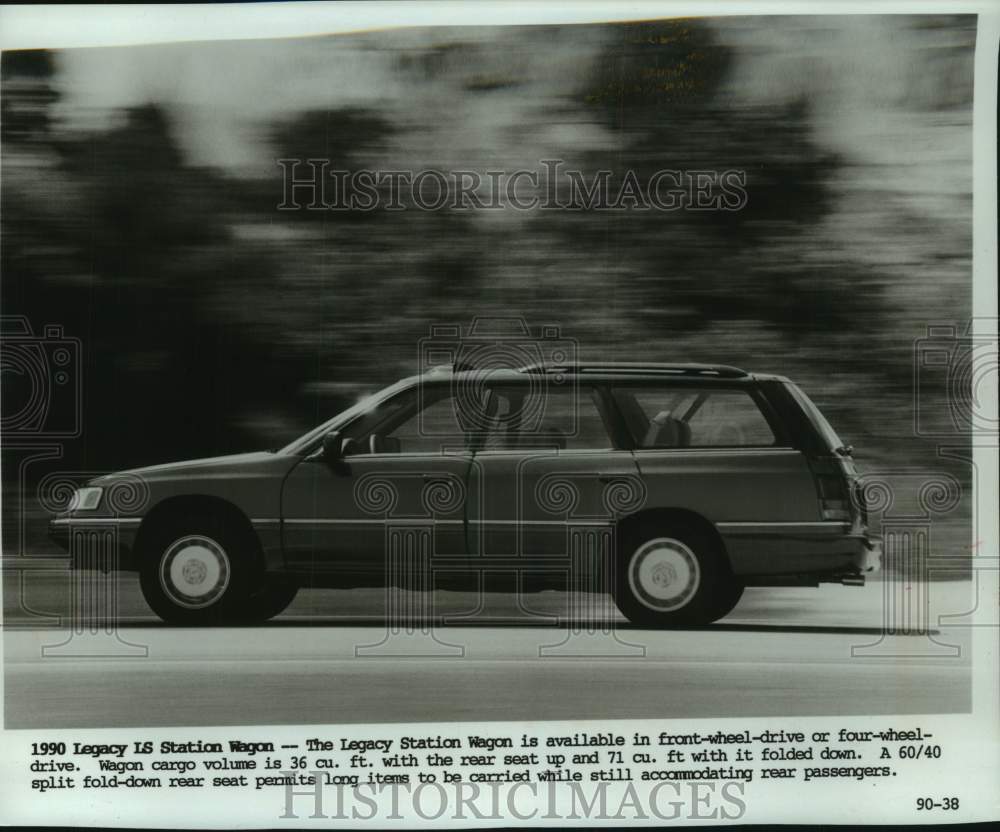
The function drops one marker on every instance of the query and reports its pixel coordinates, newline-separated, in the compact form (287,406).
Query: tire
(270,600)
(199,570)
(673,577)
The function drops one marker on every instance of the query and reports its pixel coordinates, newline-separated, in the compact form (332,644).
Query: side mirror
(333,447)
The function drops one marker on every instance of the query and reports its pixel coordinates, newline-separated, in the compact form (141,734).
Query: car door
(398,491)
(549,477)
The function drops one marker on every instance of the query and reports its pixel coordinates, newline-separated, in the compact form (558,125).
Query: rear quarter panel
(726,485)
(748,487)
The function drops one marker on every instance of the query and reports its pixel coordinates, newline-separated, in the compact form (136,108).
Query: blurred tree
(114,236)
(661,87)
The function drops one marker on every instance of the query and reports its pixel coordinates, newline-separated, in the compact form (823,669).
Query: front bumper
(102,543)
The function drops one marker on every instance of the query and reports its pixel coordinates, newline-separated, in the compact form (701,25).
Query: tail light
(835,480)
(834,498)
(860,500)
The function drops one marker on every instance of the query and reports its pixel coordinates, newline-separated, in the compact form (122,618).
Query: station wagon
(670,486)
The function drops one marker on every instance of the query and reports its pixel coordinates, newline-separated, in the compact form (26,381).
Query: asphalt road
(782,652)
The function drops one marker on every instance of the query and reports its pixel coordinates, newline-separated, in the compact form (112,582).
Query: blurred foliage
(212,322)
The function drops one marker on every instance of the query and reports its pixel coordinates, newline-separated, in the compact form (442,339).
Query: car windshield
(366,405)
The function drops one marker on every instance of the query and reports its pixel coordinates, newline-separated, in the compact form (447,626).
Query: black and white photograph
(615,378)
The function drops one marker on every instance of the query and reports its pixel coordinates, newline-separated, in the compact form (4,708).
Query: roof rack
(640,368)
(457,367)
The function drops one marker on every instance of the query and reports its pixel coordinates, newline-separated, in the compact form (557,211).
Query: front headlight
(85,499)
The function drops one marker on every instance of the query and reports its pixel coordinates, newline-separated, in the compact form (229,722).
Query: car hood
(250,464)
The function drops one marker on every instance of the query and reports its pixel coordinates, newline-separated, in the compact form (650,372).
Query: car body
(672,486)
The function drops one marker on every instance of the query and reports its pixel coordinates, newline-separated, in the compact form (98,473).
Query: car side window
(388,412)
(435,429)
(401,425)
(729,419)
(665,417)
(565,418)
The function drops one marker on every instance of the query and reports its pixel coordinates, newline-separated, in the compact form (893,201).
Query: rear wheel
(676,576)
(198,571)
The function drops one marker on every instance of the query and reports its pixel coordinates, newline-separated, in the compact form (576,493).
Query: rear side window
(567,418)
(678,417)
(819,422)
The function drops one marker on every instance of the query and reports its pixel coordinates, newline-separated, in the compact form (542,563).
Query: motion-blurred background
(139,206)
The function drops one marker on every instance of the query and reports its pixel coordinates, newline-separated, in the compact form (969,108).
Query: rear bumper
(800,553)
(870,559)
(866,562)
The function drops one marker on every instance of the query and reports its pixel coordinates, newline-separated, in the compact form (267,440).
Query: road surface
(782,652)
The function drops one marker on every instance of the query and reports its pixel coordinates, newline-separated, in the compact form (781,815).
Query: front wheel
(270,600)
(674,577)
(197,573)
